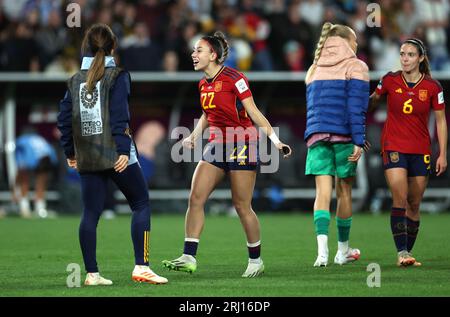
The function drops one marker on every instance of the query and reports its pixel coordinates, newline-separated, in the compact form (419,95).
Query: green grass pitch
(35,253)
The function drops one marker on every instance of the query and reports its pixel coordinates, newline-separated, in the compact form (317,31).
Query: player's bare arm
(374,101)
(202,124)
(441,124)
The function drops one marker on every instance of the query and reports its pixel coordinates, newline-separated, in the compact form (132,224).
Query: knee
(344,193)
(196,200)
(89,221)
(241,206)
(344,187)
(140,205)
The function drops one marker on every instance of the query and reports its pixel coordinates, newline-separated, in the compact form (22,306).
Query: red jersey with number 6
(408,111)
(220,98)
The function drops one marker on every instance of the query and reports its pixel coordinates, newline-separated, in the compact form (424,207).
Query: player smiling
(228,109)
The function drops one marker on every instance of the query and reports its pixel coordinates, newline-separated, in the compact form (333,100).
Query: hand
(367,146)
(121,164)
(285,149)
(356,155)
(441,165)
(188,143)
(72,163)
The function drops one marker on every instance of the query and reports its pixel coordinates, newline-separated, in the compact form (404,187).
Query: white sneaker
(321,261)
(26,214)
(185,263)
(94,279)
(350,256)
(254,269)
(24,208)
(42,213)
(109,214)
(143,273)
(40,208)
(322,251)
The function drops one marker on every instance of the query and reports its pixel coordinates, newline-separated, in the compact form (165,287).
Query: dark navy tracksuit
(93,179)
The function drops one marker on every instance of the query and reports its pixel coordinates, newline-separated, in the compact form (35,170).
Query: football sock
(321,221)
(398,228)
(322,244)
(190,246)
(254,249)
(88,240)
(343,226)
(412,229)
(140,232)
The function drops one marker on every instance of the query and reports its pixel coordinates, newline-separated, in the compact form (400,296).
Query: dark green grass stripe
(34,255)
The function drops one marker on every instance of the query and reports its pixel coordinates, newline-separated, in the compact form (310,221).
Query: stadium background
(273,44)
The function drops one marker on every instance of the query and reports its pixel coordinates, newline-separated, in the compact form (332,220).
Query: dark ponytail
(424,66)
(99,41)
(219,45)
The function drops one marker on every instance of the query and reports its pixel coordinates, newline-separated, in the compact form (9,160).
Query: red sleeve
(382,86)
(241,88)
(437,100)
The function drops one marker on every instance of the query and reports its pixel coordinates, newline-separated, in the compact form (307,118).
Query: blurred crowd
(265,35)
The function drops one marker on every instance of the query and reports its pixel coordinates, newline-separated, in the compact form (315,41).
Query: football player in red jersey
(228,109)
(406,147)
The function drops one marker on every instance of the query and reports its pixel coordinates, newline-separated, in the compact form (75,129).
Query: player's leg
(242,186)
(23,182)
(42,175)
(345,254)
(416,189)
(39,202)
(93,187)
(132,184)
(324,189)
(321,163)
(205,179)
(396,174)
(345,173)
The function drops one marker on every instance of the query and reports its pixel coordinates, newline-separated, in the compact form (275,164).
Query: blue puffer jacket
(337,93)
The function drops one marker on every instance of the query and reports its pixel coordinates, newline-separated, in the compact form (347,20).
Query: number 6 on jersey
(407,106)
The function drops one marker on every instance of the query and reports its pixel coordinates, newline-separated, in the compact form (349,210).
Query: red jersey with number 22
(406,126)
(220,98)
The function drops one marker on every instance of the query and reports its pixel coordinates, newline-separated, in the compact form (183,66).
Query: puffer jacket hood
(335,50)
(337,92)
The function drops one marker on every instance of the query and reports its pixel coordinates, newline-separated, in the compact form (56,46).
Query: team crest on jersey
(394,157)
(399,90)
(202,88)
(423,94)
(218,86)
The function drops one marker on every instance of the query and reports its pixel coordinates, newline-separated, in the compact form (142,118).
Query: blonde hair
(328,29)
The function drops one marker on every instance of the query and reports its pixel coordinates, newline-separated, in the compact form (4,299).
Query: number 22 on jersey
(207,104)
